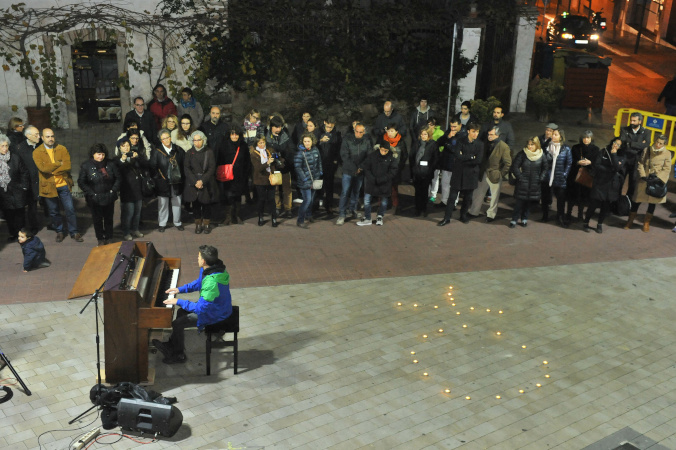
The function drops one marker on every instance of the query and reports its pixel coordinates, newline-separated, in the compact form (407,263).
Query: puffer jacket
(19,184)
(99,189)
(354,151)
(563,164)
(314,161)
(608,171)
(529,176)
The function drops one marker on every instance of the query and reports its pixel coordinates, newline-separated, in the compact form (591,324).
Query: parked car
(572,30)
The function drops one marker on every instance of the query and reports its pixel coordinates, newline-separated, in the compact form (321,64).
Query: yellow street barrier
(656,123)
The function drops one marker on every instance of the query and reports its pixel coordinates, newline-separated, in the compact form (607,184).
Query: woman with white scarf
(559,158)
(654,160)
(264,162)
(529,168)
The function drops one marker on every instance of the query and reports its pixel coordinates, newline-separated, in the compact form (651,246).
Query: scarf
(392,141)
(421,151)
(189,104)
(553,150)
(251,126)
(263,152)
(533,156)
(4,171)
(101,167)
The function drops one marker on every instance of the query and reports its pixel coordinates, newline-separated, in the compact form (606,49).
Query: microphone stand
(5,359)
(94,298)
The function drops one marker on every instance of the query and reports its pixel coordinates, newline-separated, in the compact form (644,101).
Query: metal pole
(450,75)
(640,28)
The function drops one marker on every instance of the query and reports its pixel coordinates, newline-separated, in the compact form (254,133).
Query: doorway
(95,75)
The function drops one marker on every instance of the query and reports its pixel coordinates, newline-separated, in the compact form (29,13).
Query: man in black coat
(465,178)
(25,151)
(144,118)
(329,144)
(216,130)
(451,139)
(635,138)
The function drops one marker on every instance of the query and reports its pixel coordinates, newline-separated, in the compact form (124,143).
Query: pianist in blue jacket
(214,304)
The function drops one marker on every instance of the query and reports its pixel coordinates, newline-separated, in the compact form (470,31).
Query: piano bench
(229,325)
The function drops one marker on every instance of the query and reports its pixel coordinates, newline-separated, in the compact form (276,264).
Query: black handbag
(655,187)
(147,184)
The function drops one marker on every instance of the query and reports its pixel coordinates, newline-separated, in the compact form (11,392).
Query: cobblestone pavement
(563,357)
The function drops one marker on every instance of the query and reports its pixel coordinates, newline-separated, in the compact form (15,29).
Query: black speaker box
(148,417)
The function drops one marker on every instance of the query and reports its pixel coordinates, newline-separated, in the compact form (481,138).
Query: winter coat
(15,138)
(130,171)
(563,164)
(200,165)
(47,169)
(401,153)
(468,157)
(185,144)
(497,160)
(379,171)
(161,110)
(330,151)
(575,191)
(529,176)
(282,145)
(608,170)
(216,135)
(314,161)
(634,143)
(447,155)
(241,168)
(33,253)
(261,172)
(382,121)
(354,151)
(25,151)
(144,146)
(424,169)
(159,165)
(19,184)
(98,189)
(658,163)
(147,125)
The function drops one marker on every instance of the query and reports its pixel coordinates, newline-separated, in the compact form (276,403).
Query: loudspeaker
(148,417)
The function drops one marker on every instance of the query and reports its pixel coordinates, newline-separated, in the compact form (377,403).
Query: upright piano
(136,278)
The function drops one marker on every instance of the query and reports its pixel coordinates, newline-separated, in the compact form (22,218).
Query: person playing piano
(214,304)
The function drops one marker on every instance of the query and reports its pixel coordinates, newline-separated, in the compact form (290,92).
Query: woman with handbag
(200,181)
(653,166)
(579,178)
(528,168)
(233,166)
(608,173)
(308,165)
(130,165)
(166,164)
(100,183)
(266,177)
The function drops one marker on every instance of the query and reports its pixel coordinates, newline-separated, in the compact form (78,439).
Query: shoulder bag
(584,177)
(654,186)
(316,184)
(224,172)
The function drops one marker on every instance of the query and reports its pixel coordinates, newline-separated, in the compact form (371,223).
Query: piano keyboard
(173,284)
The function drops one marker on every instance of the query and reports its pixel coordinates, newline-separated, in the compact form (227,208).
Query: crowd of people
(202,167)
